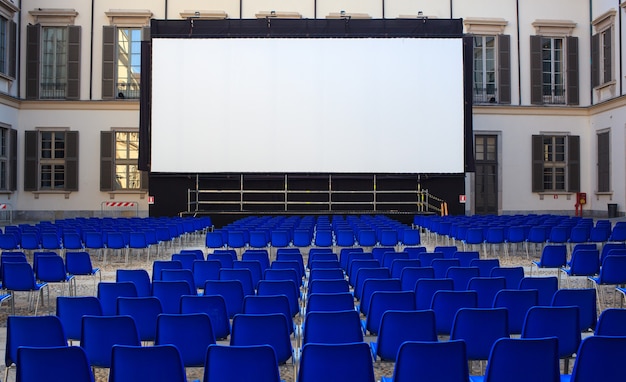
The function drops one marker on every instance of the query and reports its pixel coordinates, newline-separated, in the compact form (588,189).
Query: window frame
(34,161)
(109,163)
(602,50)
(543,160)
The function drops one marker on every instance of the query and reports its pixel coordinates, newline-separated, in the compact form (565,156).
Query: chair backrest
(513,275)
(398,265)
(584,299)
(342,326)
(230,290)
(390,257)
(613,270)
(226,260)
(431,361)
(241,363)
(212,305)
(426,288)
(611,323)
(285,255)
(446,303)
(255,268)
(485,265)
(144,310)
(355,265)
(365,274)
(554,321)
(539,357)
(426,258)
(487,288)
(108,292)
(261,329)
(374,285)
(191,333)
(466,257)
(398,326)
(170,292)
(54,363)
(179,275)
(149,363)
(441,266)
(480,328)
(584,262)
(260,255)
(553,256)
(284,287)
(410,275)
(78,263)
(71,310)
(326,274)
(329,302)
(382,301)
(139,277)
(545,286)
(518,302)
(462,275)
(51,268)
(100,333)
(186,259)
(608,247)
(600,358)
(269,304)
(336,362)
(204,270)
(33,331)
(159,265)
(18,276)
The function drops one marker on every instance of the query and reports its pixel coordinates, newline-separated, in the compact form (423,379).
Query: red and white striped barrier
(114,206)
(3,206)
(120,204)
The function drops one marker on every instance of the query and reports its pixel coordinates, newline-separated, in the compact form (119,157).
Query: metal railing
(485,95)
(128,90)
(52,90)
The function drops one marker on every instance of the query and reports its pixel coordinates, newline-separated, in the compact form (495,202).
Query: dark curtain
(145,106)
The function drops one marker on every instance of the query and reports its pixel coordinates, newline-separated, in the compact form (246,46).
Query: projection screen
(338,105)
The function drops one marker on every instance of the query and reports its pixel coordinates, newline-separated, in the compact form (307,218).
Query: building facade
(549,114)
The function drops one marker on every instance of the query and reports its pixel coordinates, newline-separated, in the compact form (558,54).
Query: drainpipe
(18,51)
(91,53)
(165,9)
(619,21)
(519,66)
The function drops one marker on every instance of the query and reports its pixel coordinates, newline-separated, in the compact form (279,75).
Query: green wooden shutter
(108,62)
(536,93)
(71,161)
(106,161)
(12,48)
(604,162)
(572,70)
(537,163)
(31,160)
(504,69)
(33,51)
(573,163)
(595,60)
(73,63)
(12,160)
(608,62)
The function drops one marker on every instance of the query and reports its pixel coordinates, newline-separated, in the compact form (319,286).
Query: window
(8,39)
(554,70)
(127,175)
(604,162)
(121,52)
(602,49)
(491,69)
(3,44)
(119,155)
(556,165)
(53,62)
(51,160)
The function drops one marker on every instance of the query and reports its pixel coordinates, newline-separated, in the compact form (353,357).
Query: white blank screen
(339,105)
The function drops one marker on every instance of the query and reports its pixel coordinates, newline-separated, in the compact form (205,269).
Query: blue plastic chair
(100,333)
(486,288)
(383,301)
(108,292)
(539,358)
(230,290)
(170,293)
(584,262)
(599,358)
(79,264)
(214,306)
(32,331)
(341,326)
(139,277)
(179,275)
(19,277)
(51,269)
(260,364)
(263,329)
(191,333)
(518,302)
(446,303)
(370,286)
(144,310)
(461,276)
(410,275)
(552,256)
(430,361)
(397,327)
(612,272)
(148,363)
(71,310)
(584,299)
(336,363)
(480,328)
(426,288)
(546,288)
(513,275)
(284,287)
(555,321)
(53,364)
(611,323)
(485,265)
(325,302)
(159,265)
(204,270)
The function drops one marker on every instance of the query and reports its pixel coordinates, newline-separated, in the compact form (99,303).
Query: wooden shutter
(12,159)
(73,63)
(106,161)
(536,93)
(607,62)
(604,161)
(572,70)
(71,161)
(108,62)
(504,68)
(573,163)
(33,51)
(595,60)
(537,163)
(144,180)
(31,159)
(12,48)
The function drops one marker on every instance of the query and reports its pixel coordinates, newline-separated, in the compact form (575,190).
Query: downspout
(240,9)
(165,9)
(383,4)
(314,9)
(619,20)
(18,52)
(519,66)
(91,53)
(451,13)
